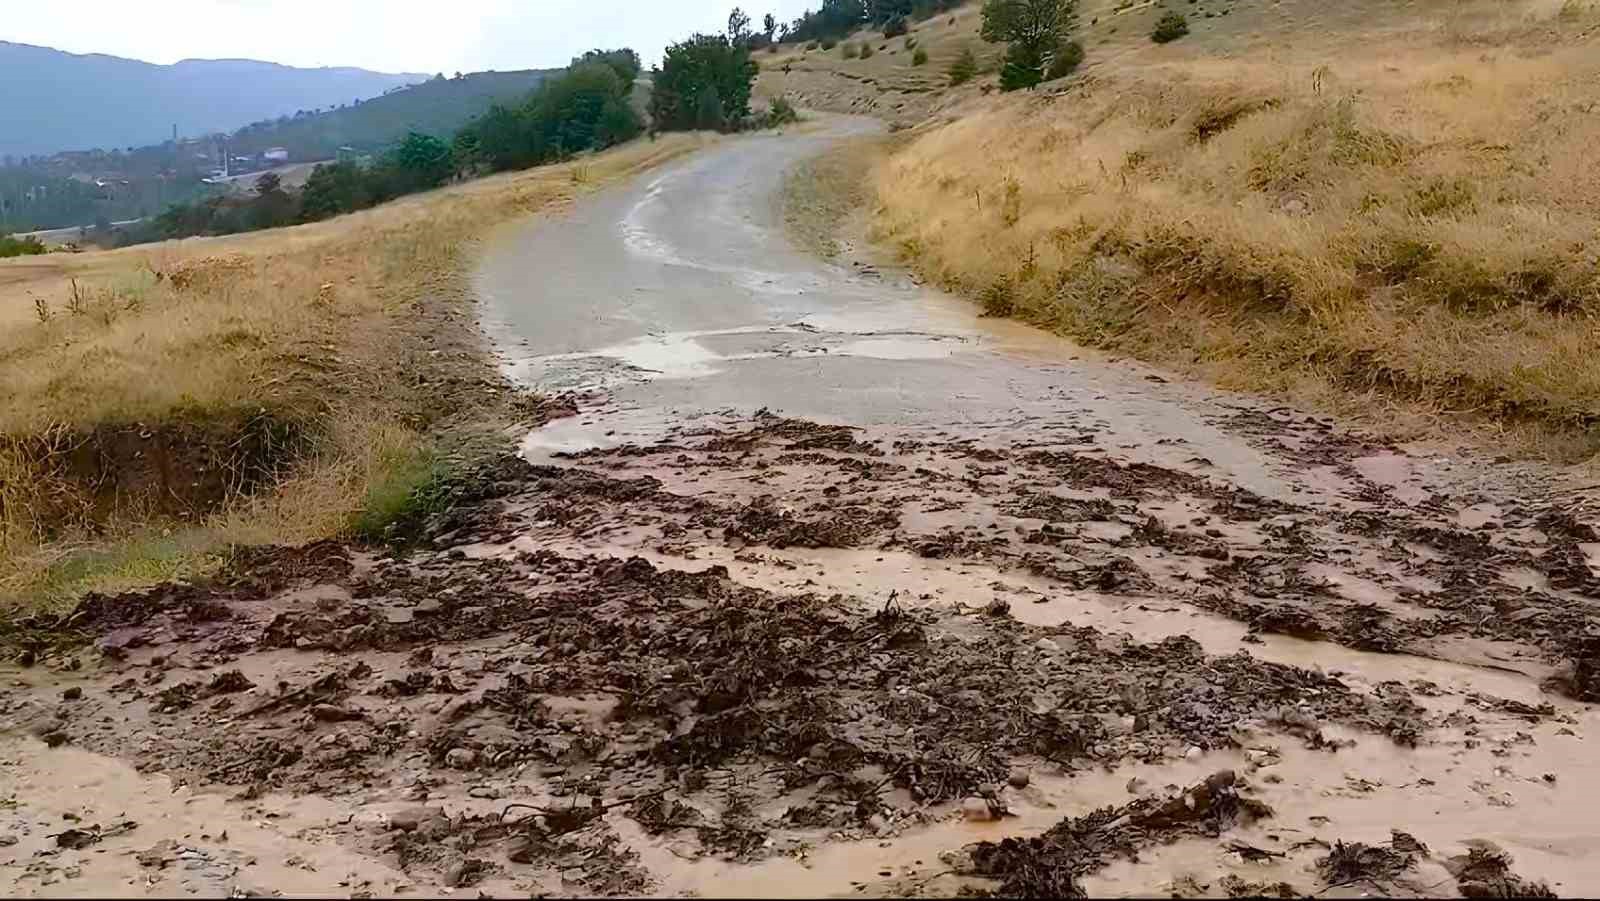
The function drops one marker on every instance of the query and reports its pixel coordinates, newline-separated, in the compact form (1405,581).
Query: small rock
(72,694)
(410,818)
(398,616)
(551,769)
(484,792)
(1136,785)
(55,738)
(7,841)
(1194,753)
(878,824)
(977,810)
(1018,778)
(430,606)
(1046,644)
(461,758)
(332,713)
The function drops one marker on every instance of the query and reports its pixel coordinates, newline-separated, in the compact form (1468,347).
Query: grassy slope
(887,84)
(1396,203)
(356,328)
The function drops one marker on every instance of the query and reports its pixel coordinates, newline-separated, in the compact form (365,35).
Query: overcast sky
(386,35)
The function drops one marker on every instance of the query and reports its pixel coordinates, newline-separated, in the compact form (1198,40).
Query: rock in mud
(977,810)
(410,818)
(1018,778)
(461,758)
(72,694)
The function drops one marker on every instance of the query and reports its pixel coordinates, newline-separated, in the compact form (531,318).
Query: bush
(849,51)
(1066,60)
(812,46)
(20,247)
(919,58)
(867,51)
(895,27)
(829,44)
(964,68)
(1172,26)
(782,112)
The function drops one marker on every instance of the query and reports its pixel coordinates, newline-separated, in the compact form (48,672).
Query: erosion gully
(829,587)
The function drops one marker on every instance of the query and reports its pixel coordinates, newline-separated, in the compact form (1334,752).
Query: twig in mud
(547,811)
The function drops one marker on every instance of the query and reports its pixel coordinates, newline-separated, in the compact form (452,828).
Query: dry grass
(354,329)
(1409,214)
(887,84)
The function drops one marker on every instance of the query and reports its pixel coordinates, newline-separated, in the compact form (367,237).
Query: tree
(738,26)
(585,109)
(703,82)
(271,207)
(423,161)
(1034,31)
(769,26)
(624,62)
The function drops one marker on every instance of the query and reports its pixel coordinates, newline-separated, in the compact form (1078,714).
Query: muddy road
(827,587)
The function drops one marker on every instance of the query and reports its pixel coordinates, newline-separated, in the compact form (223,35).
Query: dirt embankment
(149,394)
(628,673)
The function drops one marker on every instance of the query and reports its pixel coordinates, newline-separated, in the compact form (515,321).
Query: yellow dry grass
(336,325)
(1408,213)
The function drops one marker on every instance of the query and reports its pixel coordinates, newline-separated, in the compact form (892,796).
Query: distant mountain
(64,101)
(437,107)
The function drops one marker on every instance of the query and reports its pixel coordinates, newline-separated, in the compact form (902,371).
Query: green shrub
(827,44)
(919,58)
(867,51)
(782,112)
(964,68)
(20,247)
(1172,26)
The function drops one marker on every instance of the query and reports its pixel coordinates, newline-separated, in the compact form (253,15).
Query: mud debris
(1050,865)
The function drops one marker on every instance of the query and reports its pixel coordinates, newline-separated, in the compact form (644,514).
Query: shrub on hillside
(1066,61)
(20,247)
(829,44)
(848,51)
(919,58)
(1172,26)
(964,68)
(895,27)
(867,51)
(781,112)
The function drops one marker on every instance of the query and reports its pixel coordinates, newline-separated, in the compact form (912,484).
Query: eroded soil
(775,656)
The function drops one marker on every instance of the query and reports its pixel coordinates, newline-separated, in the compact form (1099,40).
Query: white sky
(385,35)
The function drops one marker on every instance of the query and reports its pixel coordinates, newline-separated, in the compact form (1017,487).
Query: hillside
(1389,208)
(63,101)
(437,107)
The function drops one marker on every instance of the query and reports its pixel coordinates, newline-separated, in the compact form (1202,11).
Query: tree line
(703,82)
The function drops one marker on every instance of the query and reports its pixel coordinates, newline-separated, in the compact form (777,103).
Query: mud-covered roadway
(827,588)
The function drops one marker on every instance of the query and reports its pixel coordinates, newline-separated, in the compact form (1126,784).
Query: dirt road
(829,587)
